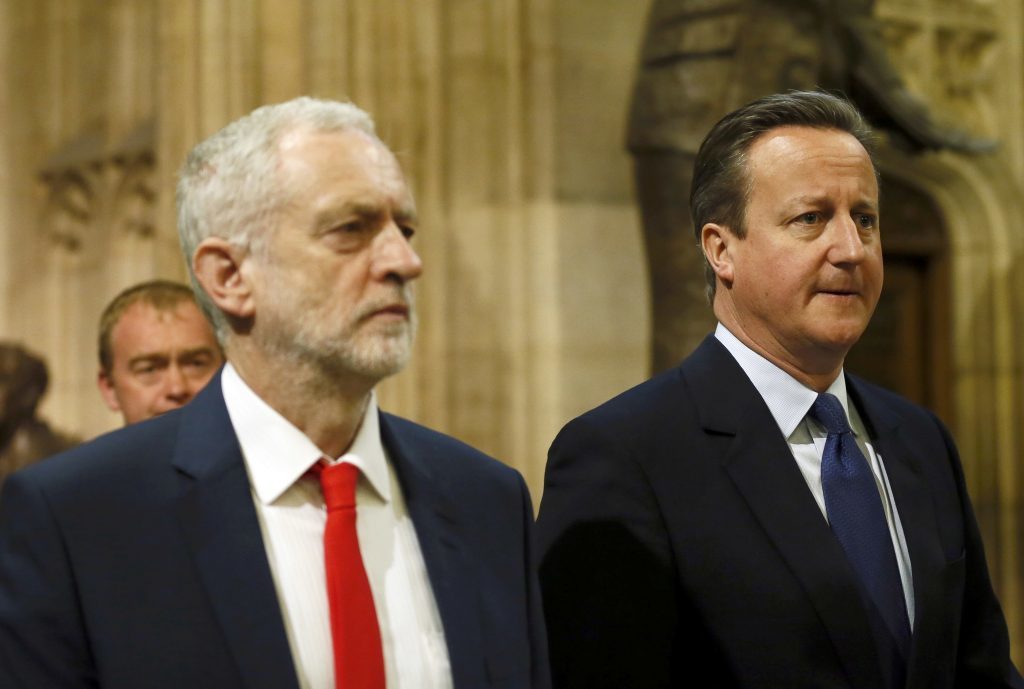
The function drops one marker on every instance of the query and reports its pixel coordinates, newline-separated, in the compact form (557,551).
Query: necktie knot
(338,483)
(828,411)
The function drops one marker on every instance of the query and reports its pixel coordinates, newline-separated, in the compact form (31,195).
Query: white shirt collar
(277,453)
(788,399)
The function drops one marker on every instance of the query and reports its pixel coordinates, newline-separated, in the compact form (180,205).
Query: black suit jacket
(136,561)
(681,547)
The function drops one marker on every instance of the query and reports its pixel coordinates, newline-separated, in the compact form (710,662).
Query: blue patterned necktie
(857,519)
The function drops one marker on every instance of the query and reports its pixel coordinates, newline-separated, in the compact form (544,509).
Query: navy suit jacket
(681,547)
(136,561)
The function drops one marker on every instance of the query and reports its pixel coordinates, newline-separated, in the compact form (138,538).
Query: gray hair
(721,186)
(228,186)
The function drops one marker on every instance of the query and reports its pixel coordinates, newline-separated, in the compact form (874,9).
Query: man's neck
(816,370)
(327,410)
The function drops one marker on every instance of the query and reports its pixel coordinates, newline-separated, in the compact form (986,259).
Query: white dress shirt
(292,515)
(789,401)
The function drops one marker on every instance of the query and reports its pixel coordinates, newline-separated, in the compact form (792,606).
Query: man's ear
(715,241)
(106,385)
(217,265)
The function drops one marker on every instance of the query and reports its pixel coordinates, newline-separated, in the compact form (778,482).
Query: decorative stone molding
(967,62)
(134,200)
(70,207)
(95,191)
(948,52)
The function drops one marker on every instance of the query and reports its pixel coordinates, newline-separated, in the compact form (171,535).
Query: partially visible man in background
(156,349)
(24,437)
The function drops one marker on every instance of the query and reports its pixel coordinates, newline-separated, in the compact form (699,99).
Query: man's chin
(373,361)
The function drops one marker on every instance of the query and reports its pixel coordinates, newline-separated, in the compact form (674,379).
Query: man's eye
(148,372)
(407,231)
(347,236)
(867,221)
(810,218)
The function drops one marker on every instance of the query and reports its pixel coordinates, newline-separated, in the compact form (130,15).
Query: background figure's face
(161,359)
(808,274)
(333,286)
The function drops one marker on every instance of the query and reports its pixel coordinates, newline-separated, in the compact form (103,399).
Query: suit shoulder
(110,457)
(642,405)
(444,447)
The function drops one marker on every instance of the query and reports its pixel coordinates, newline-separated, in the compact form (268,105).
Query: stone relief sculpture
(703,58)
(24,437)
(101,193)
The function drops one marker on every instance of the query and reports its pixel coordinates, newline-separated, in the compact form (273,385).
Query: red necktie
(358,658)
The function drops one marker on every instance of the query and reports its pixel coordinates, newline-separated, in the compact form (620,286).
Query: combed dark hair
(721,186)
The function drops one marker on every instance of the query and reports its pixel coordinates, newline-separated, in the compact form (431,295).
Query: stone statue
(24,438)
(703,58)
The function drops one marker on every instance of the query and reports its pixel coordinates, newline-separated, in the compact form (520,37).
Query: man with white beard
(279,530)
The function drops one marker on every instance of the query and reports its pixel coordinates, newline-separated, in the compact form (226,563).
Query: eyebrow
(155,356)
(196,350)
(818,200)
(405,213)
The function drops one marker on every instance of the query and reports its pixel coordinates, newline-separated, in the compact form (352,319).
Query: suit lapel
(760,463)
(902,463)
(449,567)
(220,525)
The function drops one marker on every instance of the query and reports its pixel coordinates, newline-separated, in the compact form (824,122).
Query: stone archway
(979,204)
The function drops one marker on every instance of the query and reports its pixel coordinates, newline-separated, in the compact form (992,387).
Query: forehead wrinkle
(790,144)
(827,199)
(364,207)
(834,177)
(363,180)
(170,352)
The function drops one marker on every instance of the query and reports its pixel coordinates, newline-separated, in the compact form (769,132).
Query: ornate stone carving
(703,58)
(70,207)
(967,60)
(95,190)
(948,52)
(134,199)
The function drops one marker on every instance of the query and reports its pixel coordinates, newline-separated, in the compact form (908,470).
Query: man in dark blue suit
(187,550)
(756,517)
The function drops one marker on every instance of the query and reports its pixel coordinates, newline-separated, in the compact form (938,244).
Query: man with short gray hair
(279,531)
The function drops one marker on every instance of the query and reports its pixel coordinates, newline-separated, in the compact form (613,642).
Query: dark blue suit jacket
(681,547)
(136,561)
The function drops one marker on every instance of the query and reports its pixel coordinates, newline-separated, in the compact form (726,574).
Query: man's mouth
(392,311)
(839,292)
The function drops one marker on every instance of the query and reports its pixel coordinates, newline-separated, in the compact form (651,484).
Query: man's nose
(176,384)
(847,241)
(394,255)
